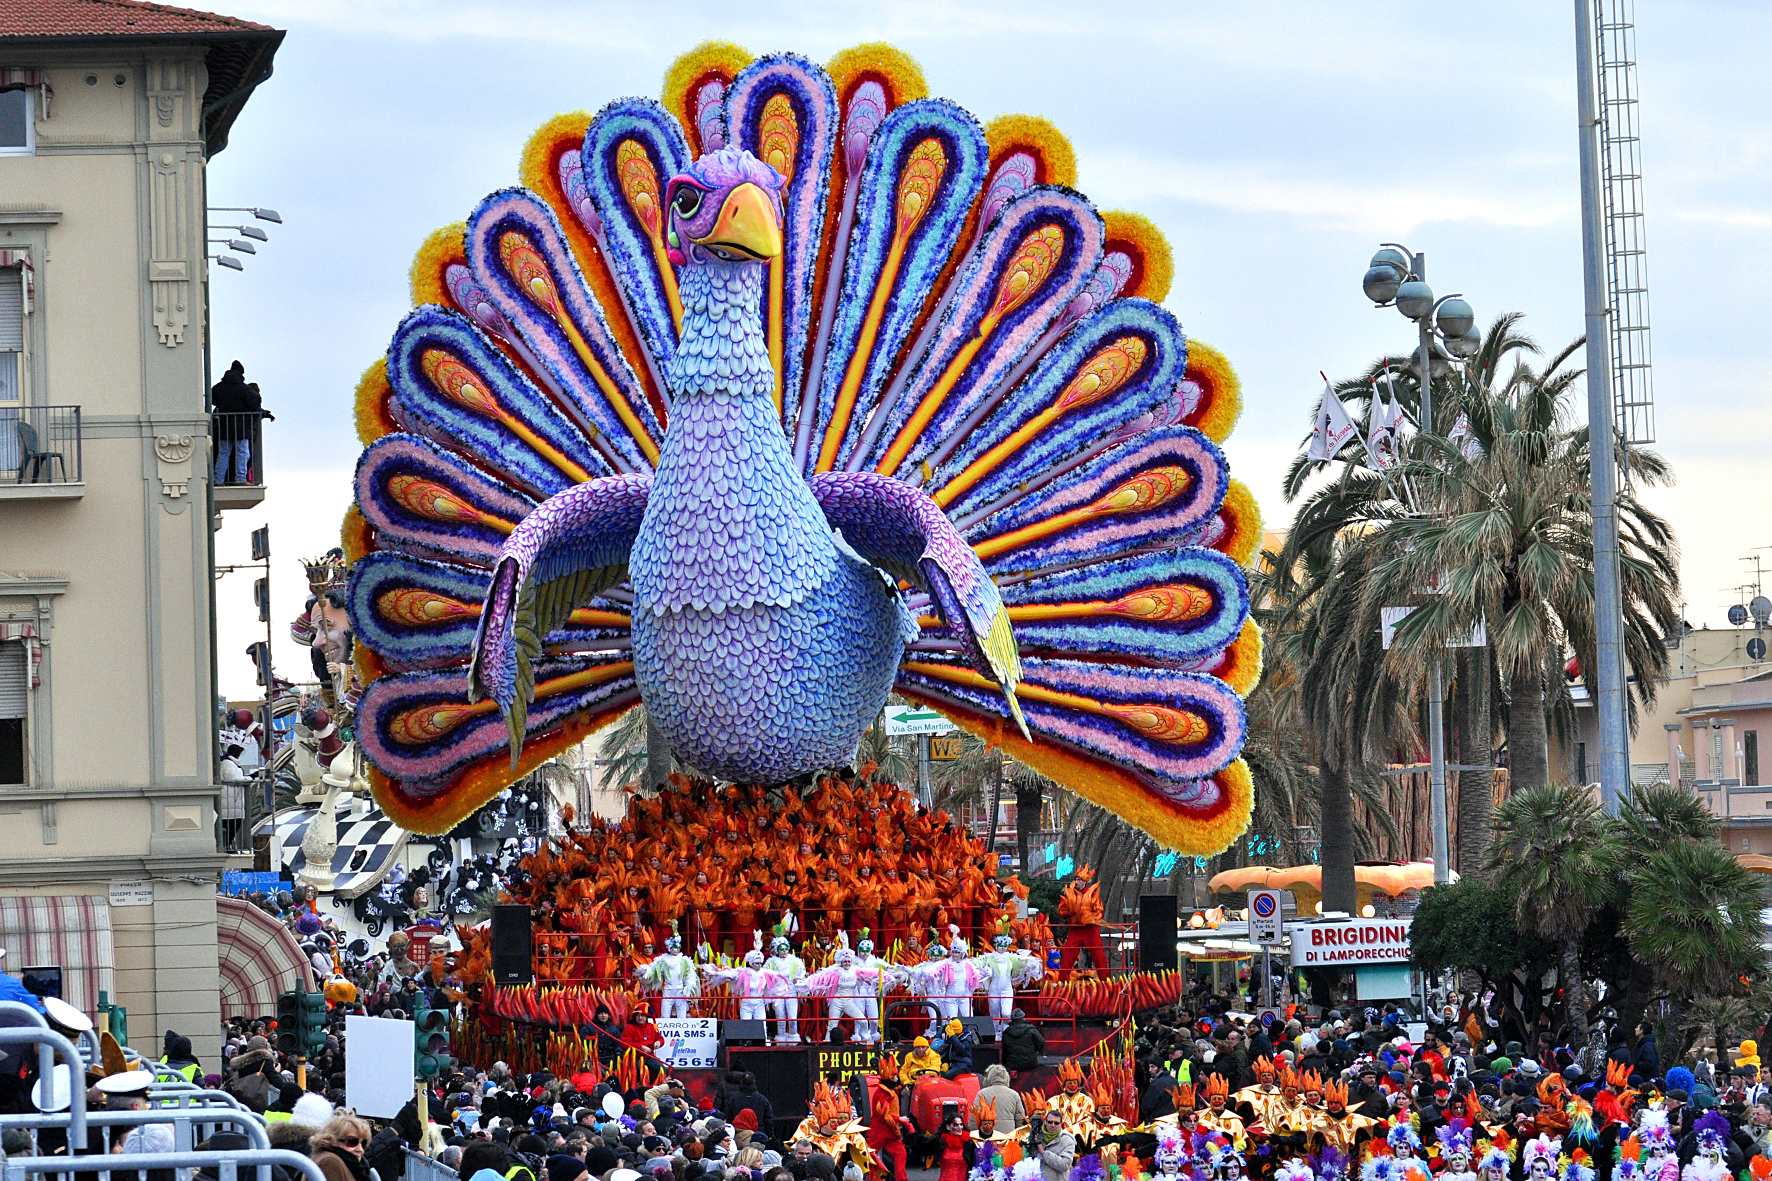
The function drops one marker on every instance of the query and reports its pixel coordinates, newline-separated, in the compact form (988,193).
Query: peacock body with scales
(793,390)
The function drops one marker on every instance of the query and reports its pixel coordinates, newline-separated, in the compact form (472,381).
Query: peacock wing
(900,528)
(569,550)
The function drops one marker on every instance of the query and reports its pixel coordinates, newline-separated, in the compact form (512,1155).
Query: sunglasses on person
(350,1141)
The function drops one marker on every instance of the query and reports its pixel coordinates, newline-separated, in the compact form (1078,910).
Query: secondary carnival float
(753,405)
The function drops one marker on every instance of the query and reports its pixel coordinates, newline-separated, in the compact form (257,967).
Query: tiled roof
(113,18)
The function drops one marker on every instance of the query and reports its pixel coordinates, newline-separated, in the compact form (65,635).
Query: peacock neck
(721,349)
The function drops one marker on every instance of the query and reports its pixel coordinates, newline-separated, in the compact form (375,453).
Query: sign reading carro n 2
(1363,941)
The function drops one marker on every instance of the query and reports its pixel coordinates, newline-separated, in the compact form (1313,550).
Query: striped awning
(25,78)
(259,960)
(69,932)
(25,632)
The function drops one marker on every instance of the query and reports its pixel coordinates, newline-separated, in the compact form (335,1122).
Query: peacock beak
(748,226)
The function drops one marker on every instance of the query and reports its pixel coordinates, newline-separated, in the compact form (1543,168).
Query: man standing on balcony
(237,407)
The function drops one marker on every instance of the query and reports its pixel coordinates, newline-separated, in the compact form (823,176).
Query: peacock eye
(686,201)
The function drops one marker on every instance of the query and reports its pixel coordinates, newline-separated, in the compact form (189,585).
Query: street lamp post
(1446,332)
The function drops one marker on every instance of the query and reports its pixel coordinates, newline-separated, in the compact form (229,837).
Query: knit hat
(564,1168)
(745,1120)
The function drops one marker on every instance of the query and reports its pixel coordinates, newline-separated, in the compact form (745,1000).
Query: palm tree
(1505,540)
(1554,857)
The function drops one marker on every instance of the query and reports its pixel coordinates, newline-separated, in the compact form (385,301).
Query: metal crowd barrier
(49,1044)
(420,1167)
(188,1129)
(130,1166)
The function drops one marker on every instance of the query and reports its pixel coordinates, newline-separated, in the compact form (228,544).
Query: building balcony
(40,453)
(238,459)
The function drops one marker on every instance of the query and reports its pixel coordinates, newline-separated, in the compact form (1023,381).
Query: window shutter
(14,680)
(12,310)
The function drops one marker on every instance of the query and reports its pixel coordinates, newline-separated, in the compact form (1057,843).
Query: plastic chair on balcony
(33,460)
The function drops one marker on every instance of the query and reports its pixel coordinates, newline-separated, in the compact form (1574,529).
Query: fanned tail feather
(783,110)
(437,756)
(427,501)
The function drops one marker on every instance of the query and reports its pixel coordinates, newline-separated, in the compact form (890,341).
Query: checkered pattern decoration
(368,843)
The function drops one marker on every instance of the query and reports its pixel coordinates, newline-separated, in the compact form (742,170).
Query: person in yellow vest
(1218,1116)
(176,1054)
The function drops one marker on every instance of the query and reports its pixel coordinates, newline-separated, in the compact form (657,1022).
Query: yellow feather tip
(1058,159)
(353,535)
(721,59)
(440,248)
(1243,516)
(1221,392)
(1241,665)
(535,167)
(1118,790)
(1139,237)
(893,67)
(370,403)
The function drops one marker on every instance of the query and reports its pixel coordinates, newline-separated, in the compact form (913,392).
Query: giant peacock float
(792,390)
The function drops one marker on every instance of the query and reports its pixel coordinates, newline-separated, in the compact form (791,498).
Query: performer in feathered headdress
(1711,1131)
(1072,1102)
(1001,970)
(792,969)
(1336,1126)
(1455,1151)
(849,988)
(1174,1152)
(1260,1105)
(1540,1157)
(1658,1161)
(831,1128)
(1218,1116)
(673,975)
(947,984)
(1497,1158)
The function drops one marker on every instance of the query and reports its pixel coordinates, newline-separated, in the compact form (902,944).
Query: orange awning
(1306,881)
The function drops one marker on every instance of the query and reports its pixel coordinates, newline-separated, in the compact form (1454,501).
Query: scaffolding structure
(1627,273)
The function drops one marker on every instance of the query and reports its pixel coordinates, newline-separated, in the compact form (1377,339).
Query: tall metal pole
(1608,602)
(1436,687)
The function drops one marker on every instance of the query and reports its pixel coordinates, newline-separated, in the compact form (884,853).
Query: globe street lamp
(1446,334)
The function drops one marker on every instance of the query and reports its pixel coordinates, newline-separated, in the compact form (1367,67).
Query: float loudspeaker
(1157,930)
(511,950)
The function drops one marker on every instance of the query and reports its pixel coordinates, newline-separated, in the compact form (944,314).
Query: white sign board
(1362,941)
(902,720)
(133,892)
(691,1043)
(378,1066)
(1264,917)
(1390,617)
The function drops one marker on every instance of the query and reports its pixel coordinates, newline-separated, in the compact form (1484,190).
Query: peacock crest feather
(791,389)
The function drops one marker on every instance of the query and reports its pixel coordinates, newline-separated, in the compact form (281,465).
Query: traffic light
(261,595)
(313,1026)
(261,543)
(289,1015)
(430,1029)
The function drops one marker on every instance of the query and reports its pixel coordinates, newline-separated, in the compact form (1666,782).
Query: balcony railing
(40,445)
(237,458)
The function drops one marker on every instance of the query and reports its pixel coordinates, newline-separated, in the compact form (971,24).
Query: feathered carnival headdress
(1543,1150)
(1069,1071)
(830,1106)
(1262,1065)
(1581,1122)
(1294,1170)
(1454,1138)
(1401,1135)
(1654,1132)
(1335,1093)
(1169,1138)
(1580,1166)
(1026,1169)
(1310,1082)
(1183,1097)
(1225,1155)
(1711,1129)
(1499,1155)
(1217,1084)
(1330,1164)
(984,1110)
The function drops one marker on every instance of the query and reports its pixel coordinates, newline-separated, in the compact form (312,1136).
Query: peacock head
(726,207)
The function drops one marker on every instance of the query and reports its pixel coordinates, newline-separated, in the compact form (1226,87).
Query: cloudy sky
(1276,142)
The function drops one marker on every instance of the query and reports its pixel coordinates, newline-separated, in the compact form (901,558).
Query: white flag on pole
(1332,428)
(1465,439)
(1387,425)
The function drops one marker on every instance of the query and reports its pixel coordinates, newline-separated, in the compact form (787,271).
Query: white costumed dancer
(1001,970)
(849,987)
(751,983)
(785,1002)
(1708,1163)
(947,985)
(1657,1160)
(1170,1163)
(672,975)
(889,973)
